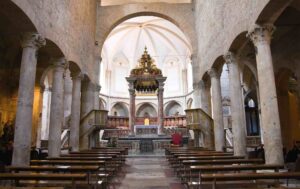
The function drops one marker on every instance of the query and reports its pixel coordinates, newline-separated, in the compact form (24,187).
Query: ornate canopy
(146,74)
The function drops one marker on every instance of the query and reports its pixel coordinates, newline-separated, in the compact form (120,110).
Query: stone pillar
(57,104)
(217,109)
(131,110)
(75,111)
(87,98)
(39,129)
(31,42)
(160,112)
(205,97)
(261,38)
(237,106)
(97,89)
(67,98)
(196,95)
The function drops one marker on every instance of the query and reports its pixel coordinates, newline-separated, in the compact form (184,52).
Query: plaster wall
(218,22)
(71,25)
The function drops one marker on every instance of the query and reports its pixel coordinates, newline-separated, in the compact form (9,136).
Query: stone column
(67,98)
(39,129)
(87,98)
(261,38)
(217,109)
(131,110)
(160,112)
(237,108)
(31,42)
(75,111)
(205,97)
(196,95)
(57,104)
(97,89)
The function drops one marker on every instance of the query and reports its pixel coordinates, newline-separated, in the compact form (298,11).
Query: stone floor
(147,173)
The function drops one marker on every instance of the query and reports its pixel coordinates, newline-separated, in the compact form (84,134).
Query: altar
(146,130)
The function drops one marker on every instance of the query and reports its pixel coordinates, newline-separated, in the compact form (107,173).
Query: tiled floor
(147,173)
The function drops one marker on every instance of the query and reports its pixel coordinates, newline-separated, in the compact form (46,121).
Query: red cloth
(176,139)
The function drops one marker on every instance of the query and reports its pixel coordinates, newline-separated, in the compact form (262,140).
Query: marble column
(237,108)
(160,112)
(261,38)
(56,110)
(67,98)
(39,129)
(31,42)
(196,95)
(87,98)
(131,110)
(217,109)
(97,89)
(205,97)
(75,111)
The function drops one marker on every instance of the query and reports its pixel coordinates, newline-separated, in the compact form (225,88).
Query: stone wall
(71,25)
(219,22)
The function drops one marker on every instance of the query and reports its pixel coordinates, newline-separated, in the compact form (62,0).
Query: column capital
(213,73)
(33,40)
(261,34)
(230,58)
(59,63)
(97,87)
(196,85)
(202,85)
(77,75)
(131,91)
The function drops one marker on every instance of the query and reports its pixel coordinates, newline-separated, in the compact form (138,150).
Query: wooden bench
(222,168)
(184,169)
(65,169)
(17,177)
(214,178)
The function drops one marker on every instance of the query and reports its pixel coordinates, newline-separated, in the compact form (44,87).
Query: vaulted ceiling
(121,2)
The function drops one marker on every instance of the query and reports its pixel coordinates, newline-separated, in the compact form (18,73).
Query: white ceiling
(121,2)
(163,39)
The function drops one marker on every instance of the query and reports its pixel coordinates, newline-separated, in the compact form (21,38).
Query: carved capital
(261,34)
(230,58)
(77,76)
(97,88)
(33,40)
(131,92)
(59,63)
(196,85)
(213,73)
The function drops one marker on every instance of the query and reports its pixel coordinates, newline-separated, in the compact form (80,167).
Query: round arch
(182,23)
(173,108)
(146,110)
(119,109)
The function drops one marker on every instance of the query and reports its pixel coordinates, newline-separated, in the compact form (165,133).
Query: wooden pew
(196,171)
(90,169)
(17,177)
(185,164)
(214,178)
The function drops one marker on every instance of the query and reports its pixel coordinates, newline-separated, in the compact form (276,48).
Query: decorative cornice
(33,40)
(261,34)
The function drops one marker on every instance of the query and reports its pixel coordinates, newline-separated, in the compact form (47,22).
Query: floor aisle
(148,173)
